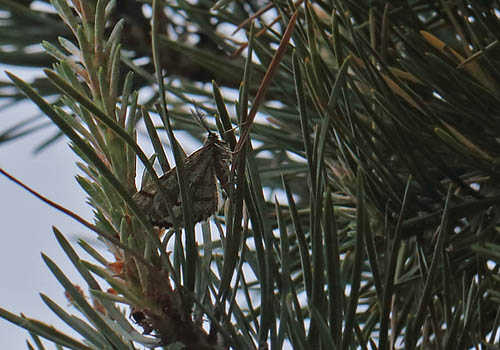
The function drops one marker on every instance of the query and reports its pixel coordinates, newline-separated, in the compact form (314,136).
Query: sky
(26,223)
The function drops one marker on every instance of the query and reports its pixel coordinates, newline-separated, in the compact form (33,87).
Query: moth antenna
(236,127)
(200,118)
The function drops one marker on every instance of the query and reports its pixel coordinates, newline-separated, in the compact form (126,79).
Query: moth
(202,170)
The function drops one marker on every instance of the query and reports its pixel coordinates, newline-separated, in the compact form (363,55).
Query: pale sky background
(26,223)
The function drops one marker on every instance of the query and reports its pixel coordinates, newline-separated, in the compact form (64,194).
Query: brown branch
(50,202)
(266,81)
(78,218)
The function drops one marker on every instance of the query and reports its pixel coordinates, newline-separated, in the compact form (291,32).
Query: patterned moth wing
(202,168)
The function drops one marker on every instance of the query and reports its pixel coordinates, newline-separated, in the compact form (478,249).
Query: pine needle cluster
(363,207)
